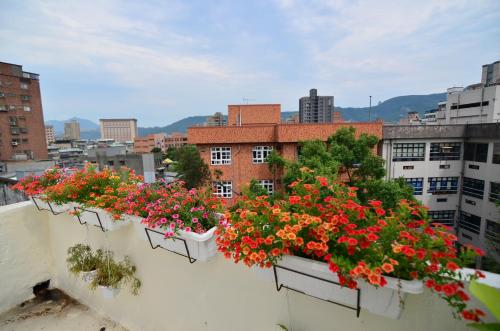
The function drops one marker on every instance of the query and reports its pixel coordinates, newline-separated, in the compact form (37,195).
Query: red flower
(352,241)
(452,266)
(449,289)
(430,283)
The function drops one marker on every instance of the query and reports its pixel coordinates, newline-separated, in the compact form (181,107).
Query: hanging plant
(81,259)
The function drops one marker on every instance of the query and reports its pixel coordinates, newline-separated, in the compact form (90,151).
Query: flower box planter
(88,276)
(315,279)
(192,245)
(99,218)
(51,206)
(108,292)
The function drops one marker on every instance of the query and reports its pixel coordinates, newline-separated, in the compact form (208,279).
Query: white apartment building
(455,171)
(119,129)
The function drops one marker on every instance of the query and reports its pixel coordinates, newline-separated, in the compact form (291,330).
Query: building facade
(120,130)
(455,171)
(217,119)
(175,140)
(239,150)
(72,130)
(316,109)
(22,129)
(50,134)
(146,144)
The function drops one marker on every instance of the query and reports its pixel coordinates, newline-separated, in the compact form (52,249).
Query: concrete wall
(176,295)
(25,257)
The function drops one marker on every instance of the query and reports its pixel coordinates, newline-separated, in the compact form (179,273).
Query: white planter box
(384,301)
(43,205)
(56,209)
(202,247)
(108,292)
(88,276)
(101,218)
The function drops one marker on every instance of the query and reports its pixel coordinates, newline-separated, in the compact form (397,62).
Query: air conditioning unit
(15,143)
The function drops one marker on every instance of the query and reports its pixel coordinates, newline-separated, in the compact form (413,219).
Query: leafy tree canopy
(190,166)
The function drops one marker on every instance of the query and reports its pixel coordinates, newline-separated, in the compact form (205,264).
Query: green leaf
(488,295)
(282,327)
(485,327)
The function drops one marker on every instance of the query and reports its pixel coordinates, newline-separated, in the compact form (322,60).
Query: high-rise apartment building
(175,140)
(22,129)
(121,130)
(316,109)
(72,130)
(491,73)
(50,134)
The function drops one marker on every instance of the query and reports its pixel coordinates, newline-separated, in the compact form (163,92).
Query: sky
(162,60)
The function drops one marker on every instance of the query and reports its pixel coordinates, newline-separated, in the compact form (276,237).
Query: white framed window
(260,153)
(24,86)
(223,189)
(268,184)
(221,155)
(27,108)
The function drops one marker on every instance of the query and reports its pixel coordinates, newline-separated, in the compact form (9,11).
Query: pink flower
(163,220)
(175,216)
(172,225)
(187,229)
(176,207)
(194,219)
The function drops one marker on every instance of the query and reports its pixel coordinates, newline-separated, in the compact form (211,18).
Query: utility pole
(370,110)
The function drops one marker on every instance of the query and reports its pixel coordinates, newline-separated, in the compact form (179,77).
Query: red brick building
(175,140)
(240,149)
(22,129)
(147,143)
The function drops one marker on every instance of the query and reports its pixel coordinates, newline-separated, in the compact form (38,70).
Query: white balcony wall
(217,295)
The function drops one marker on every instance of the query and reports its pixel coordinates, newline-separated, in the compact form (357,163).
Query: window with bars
(473,187)
(409,152)
(494,192)
(475,152)
(221,155)
(417,184)
(470,222)
(223,189)
(443,185)
(445,217)
(260,153)
(492,232)
(267,184)
(445,151)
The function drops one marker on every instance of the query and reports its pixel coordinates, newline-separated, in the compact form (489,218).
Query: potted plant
(321,241)
(181,220)
(83,261)
(111,276)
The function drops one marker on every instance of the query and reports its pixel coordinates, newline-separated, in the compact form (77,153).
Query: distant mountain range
(391,110)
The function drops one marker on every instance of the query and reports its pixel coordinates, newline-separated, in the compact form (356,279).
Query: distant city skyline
(160,61)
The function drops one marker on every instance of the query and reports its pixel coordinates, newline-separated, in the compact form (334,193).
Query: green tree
(172,153)
(156,150)
(390,192)
(355,156)
(190,166)
(276,164)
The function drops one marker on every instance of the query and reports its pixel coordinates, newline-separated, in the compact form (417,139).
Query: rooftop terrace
(175,294)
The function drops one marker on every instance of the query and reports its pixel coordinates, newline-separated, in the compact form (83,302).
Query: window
(111,163)
(25,97)
(27,108)
(470,202)
(442,199)
(267,184)
(492,231)
(476,152)
(445,217)
(223,189)
(470,222)
(470,105)
(408,167)
(221,155)
(260,153)
(417,184)
(24,86)
(3,108)
(496,153)
(444,166)
(445,151)
(494,192)
(473,187)
(443,185)
(409,152)
(473,166)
